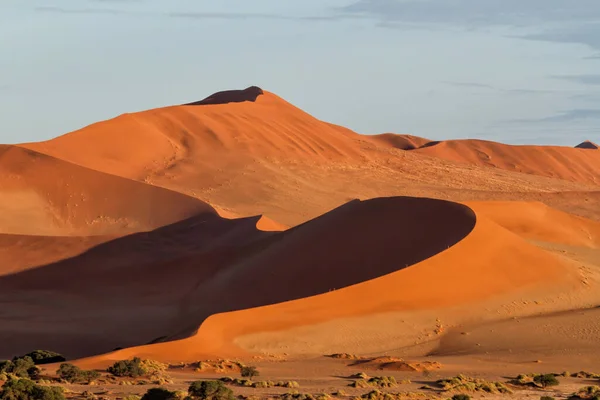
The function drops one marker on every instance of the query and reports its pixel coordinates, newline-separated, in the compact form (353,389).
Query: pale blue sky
(518,71)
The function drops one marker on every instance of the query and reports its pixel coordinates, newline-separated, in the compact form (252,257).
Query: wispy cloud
(470,85)
(592,79)
(476,85)
(96,11)
(565,116)
(565,21)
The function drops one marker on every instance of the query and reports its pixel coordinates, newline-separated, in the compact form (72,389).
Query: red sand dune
(151,265)
(42,195)
(489,262)
(230,260)
(551,161)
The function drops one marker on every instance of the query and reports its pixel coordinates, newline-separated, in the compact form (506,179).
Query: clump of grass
(263,384)
(339,393)
(383,381)
(242,382)
(461,396)
(377,381)
(297,396)
(462,383)
(587,392)
(288,384)
(586,375)
(360,383)
(360,375)
(547,398)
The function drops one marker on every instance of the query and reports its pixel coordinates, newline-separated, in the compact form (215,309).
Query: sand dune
(42,195)
(489,264)
(265,156)
(226,257)
(403,142)
(548,161)
(173,228)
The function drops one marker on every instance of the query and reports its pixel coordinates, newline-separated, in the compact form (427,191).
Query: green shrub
(159,394)
(40,357)
(249,372)
(131,368)
(461,396)
(210,390)
(546,380)
(25,389)
(20,367)
(74,374)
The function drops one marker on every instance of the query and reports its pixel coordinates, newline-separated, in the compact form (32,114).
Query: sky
(515,71)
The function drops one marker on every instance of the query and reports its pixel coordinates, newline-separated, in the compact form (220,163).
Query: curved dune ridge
(403,142)
(489,262)
(230,260)
(42,195)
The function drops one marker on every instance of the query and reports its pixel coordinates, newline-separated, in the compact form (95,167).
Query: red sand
(147,228)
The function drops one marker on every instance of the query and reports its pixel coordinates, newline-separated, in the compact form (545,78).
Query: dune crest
(587,145)
(230,96)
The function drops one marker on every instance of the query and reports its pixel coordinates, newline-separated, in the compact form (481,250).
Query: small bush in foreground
(588,392)
(210,390)
(25,389)
(20,367)
(130,368)
(74,374)
(546,380)
(461,396)
(249,372)
(159,394)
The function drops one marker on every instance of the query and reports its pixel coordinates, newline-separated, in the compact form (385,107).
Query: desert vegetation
(462,383)
(73,374)
(26,389)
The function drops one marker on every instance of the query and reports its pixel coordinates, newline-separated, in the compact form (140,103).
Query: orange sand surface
(240,226)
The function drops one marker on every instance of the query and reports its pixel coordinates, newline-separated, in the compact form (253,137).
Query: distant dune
(403,142)
(265,156)
(241,226)
(549,161)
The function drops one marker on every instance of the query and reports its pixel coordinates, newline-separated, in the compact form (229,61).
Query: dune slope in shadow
(153,285)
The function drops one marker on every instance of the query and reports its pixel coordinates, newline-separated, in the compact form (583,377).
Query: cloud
(592,79)
(104,11)
(566,116)
(179,14)
(470,85)
(564,21)
(475,85)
